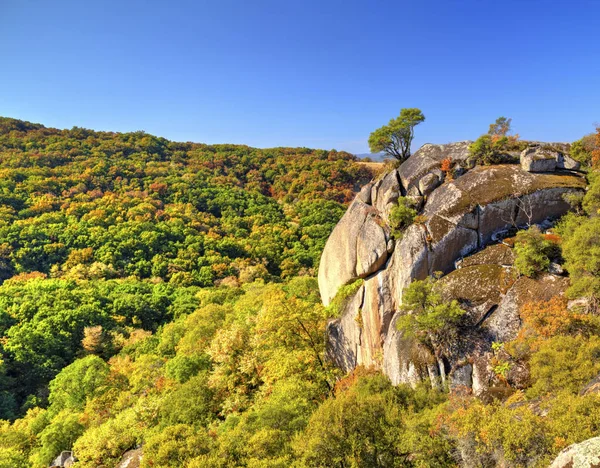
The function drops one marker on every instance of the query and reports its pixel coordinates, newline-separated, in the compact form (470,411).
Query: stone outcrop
(585,454)
(131,459)
(428,159)
(459,218)
(592,387)
(539,158)
(66,459)
(357,247)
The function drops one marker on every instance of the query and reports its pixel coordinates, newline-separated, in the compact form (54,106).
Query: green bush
(487,151)
(564,363)
(429,317)
(78,382)
(532,252)
(173,446)
(582,257)
(581,150)
(401,216)
(58,436)
(338,303)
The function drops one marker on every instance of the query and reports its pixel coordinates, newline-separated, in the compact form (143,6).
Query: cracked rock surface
(459,218)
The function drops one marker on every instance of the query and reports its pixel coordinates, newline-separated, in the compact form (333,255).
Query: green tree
(582,149)
(77,383)
(396,137)
(174,445)
(360,427)
(581,250)
(492,147)
(428,315)
(501,127)
(60,435)
(192,403)
(564,363)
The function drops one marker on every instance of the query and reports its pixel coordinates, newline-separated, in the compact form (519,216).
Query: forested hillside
(162,295)
(120,230)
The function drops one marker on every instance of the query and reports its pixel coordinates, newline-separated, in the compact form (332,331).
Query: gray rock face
(385,193)
(428,183)
(344,334)
(585,454)
(430,157)
(567,162)
(357,247)
(64,460)
(538,160)
(462,377)
(459,217)
(131,459)
(543,159)
(593,386)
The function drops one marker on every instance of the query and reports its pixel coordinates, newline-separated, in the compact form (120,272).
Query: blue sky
(320,74)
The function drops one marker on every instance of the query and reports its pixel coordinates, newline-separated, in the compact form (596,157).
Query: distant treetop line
(110,204)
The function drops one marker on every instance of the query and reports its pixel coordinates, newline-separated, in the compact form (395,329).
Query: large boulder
(460,217)
(385,193)
(465,214)
(538,160)
(428,158)
(505,322)
(547,158)
(585,454)
(131,459)
(357,247)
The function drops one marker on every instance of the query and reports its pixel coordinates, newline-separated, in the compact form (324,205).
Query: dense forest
(163,294)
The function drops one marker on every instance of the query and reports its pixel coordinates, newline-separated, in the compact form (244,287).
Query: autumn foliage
(446,167)
(550,318)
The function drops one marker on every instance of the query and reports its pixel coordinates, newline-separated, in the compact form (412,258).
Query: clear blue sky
(302,73)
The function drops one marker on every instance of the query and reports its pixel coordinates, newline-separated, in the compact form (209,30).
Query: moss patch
(478,283)
(485,185)
(541,289)
(498,254)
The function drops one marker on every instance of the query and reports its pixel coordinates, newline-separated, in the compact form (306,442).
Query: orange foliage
(547,319)
(347,382)
(447,167)
(24,277)
(554,238)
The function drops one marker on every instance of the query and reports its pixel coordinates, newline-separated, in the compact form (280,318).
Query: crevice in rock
(356,275)
(487,315)
(515,214)
(479,240)
(360,308)
(402,189)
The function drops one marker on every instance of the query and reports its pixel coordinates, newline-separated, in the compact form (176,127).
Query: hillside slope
(159,306)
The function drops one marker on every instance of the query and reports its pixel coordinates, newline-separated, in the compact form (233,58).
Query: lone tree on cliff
(395,137)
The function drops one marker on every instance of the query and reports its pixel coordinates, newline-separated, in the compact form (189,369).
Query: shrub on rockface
(338,303)
(532,252)
(369,422)
(429,317)
(564,363)
(401,216)
(581,150)
(492,147)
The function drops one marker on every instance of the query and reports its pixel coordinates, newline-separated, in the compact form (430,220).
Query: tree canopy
(396,137)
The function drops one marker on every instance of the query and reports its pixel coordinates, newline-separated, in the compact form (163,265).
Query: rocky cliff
(459,225)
